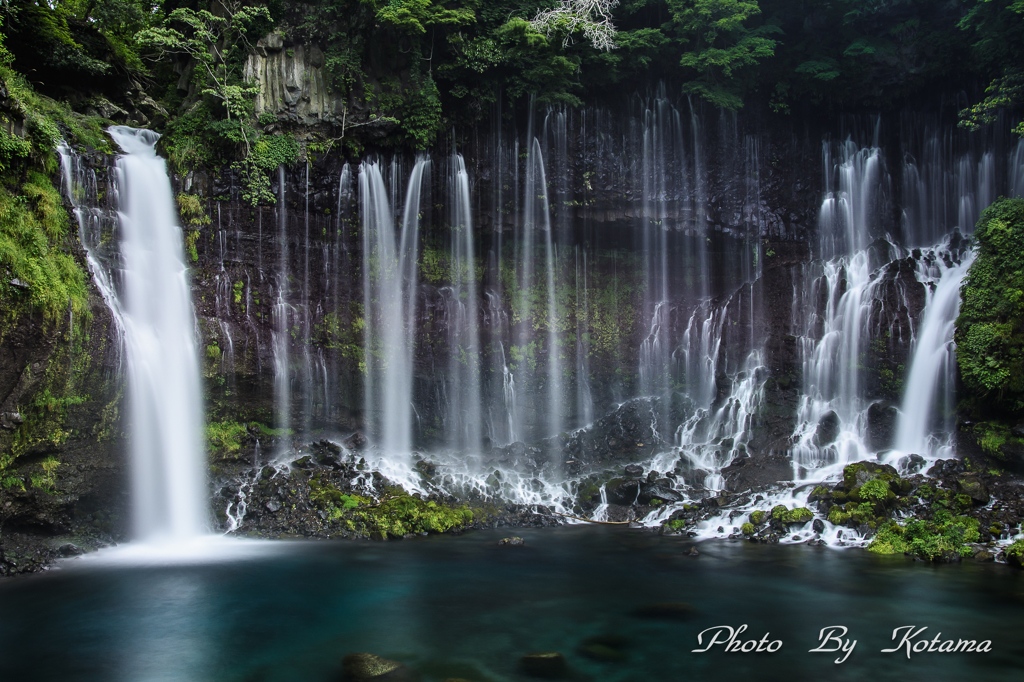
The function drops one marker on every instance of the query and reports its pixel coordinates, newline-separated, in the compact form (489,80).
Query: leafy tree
(997,27)
(204,39)
(414,16)
(719,45)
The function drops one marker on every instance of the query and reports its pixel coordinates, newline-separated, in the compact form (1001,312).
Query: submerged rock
(512,542)
(363,667)
(547,664)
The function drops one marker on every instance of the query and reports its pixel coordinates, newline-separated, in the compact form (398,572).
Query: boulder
(634,470)
(753,472)
(662,493)
(514,541)
(973,487)
(881,431)
(623,492)
(828,429)
(857,474)
(356,441)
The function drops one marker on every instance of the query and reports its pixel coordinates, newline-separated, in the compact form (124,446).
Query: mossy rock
(1015,554)
(781,514)
(757,517)
(857,474)
(747,529)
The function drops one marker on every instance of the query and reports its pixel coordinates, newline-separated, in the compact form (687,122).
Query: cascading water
(464,413)
(389,281)
(168,479)
(928,407)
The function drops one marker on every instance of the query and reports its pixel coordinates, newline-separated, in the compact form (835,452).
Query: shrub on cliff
(990,329)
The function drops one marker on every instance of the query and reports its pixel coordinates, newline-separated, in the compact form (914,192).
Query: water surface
(464,607)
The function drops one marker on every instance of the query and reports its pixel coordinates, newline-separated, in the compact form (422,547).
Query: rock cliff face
(65,489)
(292,85)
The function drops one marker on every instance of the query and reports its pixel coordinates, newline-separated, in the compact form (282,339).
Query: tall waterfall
(389,298)
(168,478)
(464,418)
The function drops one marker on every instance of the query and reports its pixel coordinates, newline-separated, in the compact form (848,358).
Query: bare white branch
(592,17)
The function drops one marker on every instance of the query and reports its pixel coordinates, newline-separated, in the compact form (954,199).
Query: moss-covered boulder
(788,517)
(973,487)
(1015,554)
(859,473)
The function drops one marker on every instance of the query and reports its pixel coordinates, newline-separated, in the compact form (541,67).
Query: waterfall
(855,184)
(830,414)
(389,299)
(928,405)
(168,479)
(1016,174)
(281,315)
(464,413)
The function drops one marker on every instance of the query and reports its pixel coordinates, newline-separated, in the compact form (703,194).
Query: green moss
(943,534)
(676,524)
(1015,552)
(33,230)
(225,437)
(747,529)
(757,517)
(192,211)
(791,516)
(399,513)
(837,516)
(876,490)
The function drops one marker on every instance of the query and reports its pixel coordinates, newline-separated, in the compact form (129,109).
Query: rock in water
(363,667)
(547,664)
(634,470)
(828,429)
(356,441)
(512,542)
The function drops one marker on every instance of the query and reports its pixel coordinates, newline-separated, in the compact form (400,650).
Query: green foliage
(192,210)
(1015,552)
(1003,93)
(414,16)
(269,152)
(930,540)
(208,40)
(225,437)
(720,45)
(33,226)
(990,329)
(757,517)
(875,490)
(399,513)
(747,529)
